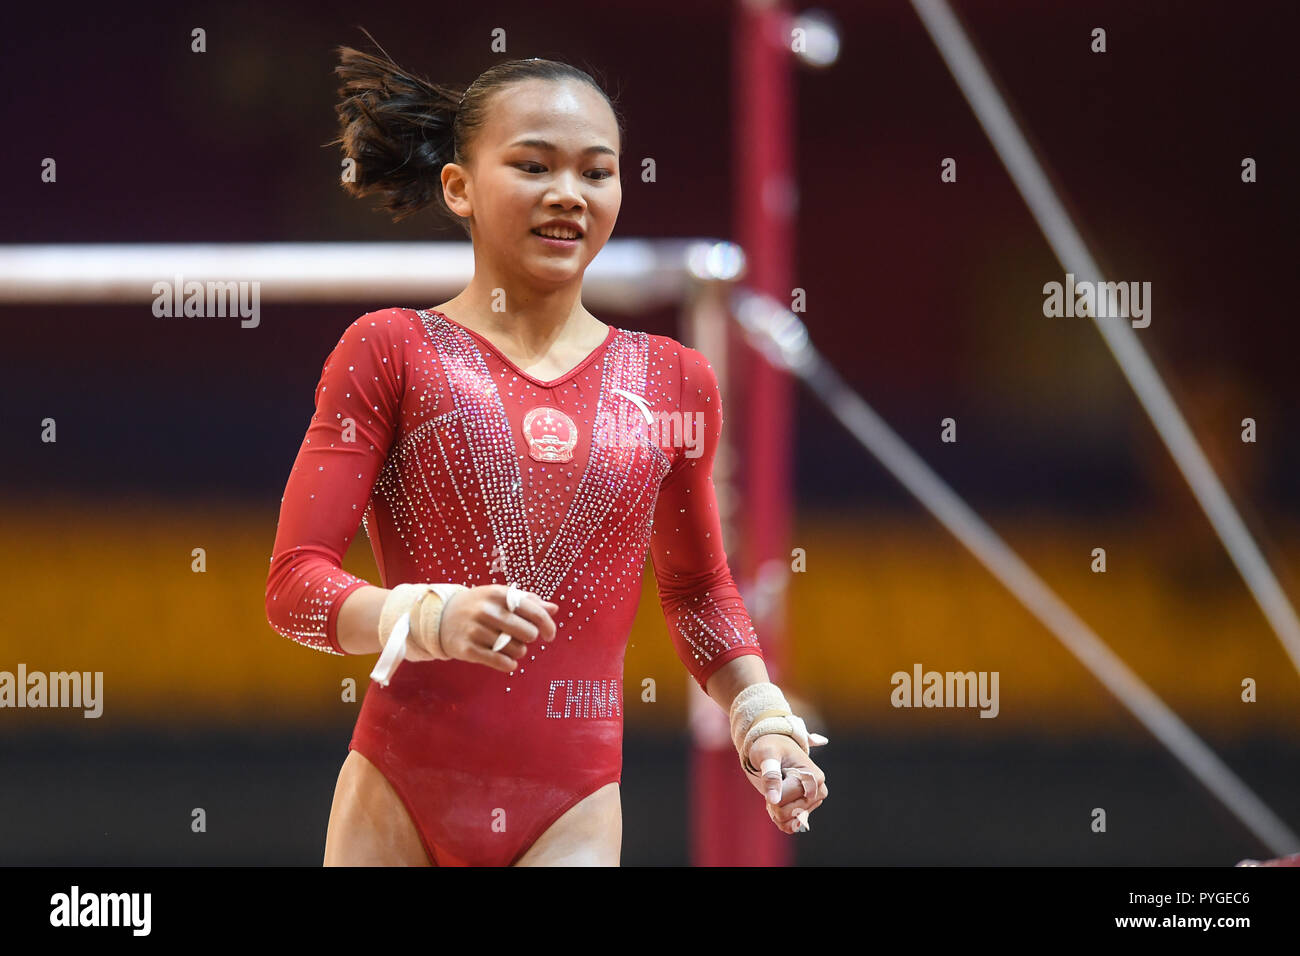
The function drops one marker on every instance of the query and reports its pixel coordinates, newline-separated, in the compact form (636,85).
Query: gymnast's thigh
(369,824)
(589,833)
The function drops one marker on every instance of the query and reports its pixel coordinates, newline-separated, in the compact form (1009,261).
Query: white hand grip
(394,651)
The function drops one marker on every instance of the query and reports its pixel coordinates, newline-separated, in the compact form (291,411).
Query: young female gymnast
(504,445)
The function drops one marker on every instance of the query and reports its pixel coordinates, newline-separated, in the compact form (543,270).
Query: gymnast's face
(549,150)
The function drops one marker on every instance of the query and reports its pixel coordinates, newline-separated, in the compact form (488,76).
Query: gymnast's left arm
(710,627)
(793,785)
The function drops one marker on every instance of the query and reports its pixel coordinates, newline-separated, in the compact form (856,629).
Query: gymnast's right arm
(309,597)
(358,400)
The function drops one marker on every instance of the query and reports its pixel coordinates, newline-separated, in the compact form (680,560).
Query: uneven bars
(627,275)
(782,338)
(1071,251)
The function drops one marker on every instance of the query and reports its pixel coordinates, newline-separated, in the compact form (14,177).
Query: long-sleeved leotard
(465,469)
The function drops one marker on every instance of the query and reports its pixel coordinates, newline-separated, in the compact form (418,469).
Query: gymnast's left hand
(804,785)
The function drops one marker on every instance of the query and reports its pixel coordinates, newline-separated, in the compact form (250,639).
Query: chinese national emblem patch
(551,434)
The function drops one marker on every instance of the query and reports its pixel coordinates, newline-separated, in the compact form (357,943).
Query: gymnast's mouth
(555,238)
(558,229)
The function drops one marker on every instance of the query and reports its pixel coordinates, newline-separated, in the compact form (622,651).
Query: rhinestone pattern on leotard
(439,472)
(457,498)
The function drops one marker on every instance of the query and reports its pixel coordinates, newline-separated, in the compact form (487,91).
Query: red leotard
(419,431)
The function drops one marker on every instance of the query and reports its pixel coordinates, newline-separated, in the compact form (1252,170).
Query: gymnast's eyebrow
(548,145)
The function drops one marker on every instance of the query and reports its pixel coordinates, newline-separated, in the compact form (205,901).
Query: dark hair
(400,129)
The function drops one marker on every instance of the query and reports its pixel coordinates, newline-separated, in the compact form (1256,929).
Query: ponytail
(397,128)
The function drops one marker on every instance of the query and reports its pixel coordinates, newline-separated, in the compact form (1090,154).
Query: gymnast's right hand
(474,619)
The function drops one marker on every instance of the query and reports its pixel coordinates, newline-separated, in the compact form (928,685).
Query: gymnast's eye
(603,173)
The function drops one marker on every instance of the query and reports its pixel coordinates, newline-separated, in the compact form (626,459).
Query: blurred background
(177,434)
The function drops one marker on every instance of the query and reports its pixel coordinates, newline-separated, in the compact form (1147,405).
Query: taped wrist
(411,608)
(762,709)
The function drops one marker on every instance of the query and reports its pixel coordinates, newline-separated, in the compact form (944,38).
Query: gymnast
(509,520)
